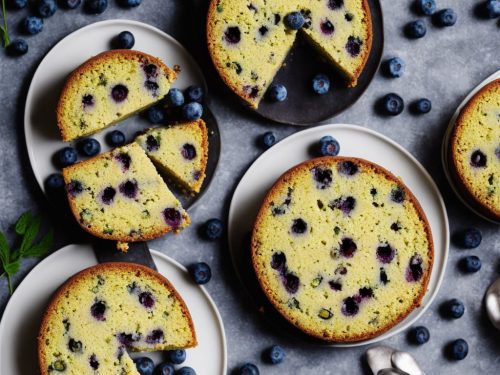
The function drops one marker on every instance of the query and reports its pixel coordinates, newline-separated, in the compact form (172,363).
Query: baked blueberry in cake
(342,248)
(106,310)
(108,88)
(474,151)
(181,151)
(248,40)
(120,196)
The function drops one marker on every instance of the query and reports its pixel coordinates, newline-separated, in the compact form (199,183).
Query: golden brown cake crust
(94,270)
(96,60)
(204,145)
(455,169)
(282,181)
(369,38)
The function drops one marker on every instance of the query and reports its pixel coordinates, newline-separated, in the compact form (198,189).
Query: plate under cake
(342,249)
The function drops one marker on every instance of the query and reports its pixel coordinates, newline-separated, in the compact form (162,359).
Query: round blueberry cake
(342,248)
(120,196)
(108,88)
(474,157)
(249,40)
(105,310)
(181,151)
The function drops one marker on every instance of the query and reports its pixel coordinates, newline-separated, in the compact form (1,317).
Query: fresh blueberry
(471,264)
(164,369)
(232,35)
(115,138)
(46,8)
(17,4)
(419,335)
(175,98)
(70,4)
(427,7)
(176,356)
(55,182)
(395,67)
(248,369)
(124,40)
(32,25)
(144,365)
(392,104)
(294,20)
(491,9)
(277,93)
(213,229)
(67,156)
(185,371)
(445,17)
(454,308)
(321,84)
(469,238)
(329,146)
(119,93)
(172,217)
(155,114)
(422,106)
(95,6)
(194,94)
(89,146)
(416,29)
(275,354)
(267,140)
(478,159)
(17,47)
(459,349)
(200,272)
(192,111)
(130,3)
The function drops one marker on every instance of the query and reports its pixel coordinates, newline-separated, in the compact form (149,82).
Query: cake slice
(105,310)
(108,88)
(181,151)
(120,196)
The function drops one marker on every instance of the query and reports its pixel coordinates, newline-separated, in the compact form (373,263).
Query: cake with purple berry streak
(474,151)
(181,151)
(120,196)
(108,88)
(106,310)
(342,249)
(249,40)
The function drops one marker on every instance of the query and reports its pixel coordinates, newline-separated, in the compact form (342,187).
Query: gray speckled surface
(444,66)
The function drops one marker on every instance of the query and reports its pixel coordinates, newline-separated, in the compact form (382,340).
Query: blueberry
(353,46)
(385,253)
(67,156)
(129,188)
(347,168)
(95,6)
(347,247)
(427,7)
(213,229)
(46,8)
(491,9)
(232,35)
(335,4)
(248,369)
(299,226)
(115,138)
(267,140)
(146,299)
(176,356)
(175,98)
(124,40)
(445,17)
(185,371)
(130,3)
(97,310)
(345,204)
(323,177)
(454,308)
(74,188)
(275,354)
(459,349)
(393,104)
(478,159)
(93,362)
(422,106)
(17,47)
(471,264)
(119,93)
(192,111)
(469,238)
(89,147)
(70,4)
(419,335)
(278,262)
(75,346)
(17,4)
(415,271)
(200,272)
(155,336)
(397,195)
(395,67)
(328,146)
(291,282)
(321,84)
(327,27)
(416,29)
(194,94)
(188,151)
(155,114)
(144,365)
(277,93)
(164,369)
(55,182)
(32,25)
(172,217)
(88,101)
(349,307)
(294,20)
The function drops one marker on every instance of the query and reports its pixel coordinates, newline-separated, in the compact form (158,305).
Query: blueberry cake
(120,196)
(106,310)
(181,151)
(474,157)
(249,40)
(108,88)
(342,249)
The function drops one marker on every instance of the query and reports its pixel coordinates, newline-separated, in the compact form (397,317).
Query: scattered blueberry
(115,138)
(422,106)
(213,229)
(478,159)
(129,188)
(55,182)
(327,27)
(164,369)
(328,146)
(299,226)
(32,25)
(17,4)
(155,114)
(194,94)
(96,6)
(97,310)
(491,9)
(419,335)
(146,299)
(70,4)
(469,238)
(155,336)
(414,272)
(267,140)
(393,104)
(175,98)
(248,369)
(144,365)
(347,247)
(176,356)
(350,307)
(188,151)
(46,8)
(459,349)
(321,84)
(119,93)
(416,29)
(294,20)
(185,371)
(124,40)
(471,264)
(395,67)
(17,47)
(67,156)
(454,308)
(277,93)
(200,272)
(89,146)
(275,354)
(353,46)
(385,253)
(427,7)
(232,35)
(445,17)
(347,168)
(192,111)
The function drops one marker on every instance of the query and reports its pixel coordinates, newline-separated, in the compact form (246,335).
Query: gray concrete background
(444,66)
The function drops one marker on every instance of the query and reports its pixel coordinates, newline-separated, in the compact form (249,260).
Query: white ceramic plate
(40,128)
(354,141)
(22,316)
(446,142)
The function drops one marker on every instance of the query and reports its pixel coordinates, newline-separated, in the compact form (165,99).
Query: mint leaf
(12,268)
(4,249)
(41,247)
(23,222)
(30,235)
(4,30)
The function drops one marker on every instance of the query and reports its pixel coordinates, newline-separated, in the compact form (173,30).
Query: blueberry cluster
(273,355)
(320,85)
(146,366)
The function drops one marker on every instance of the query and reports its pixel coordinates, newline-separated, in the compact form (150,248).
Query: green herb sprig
(4,30)
(27,229)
